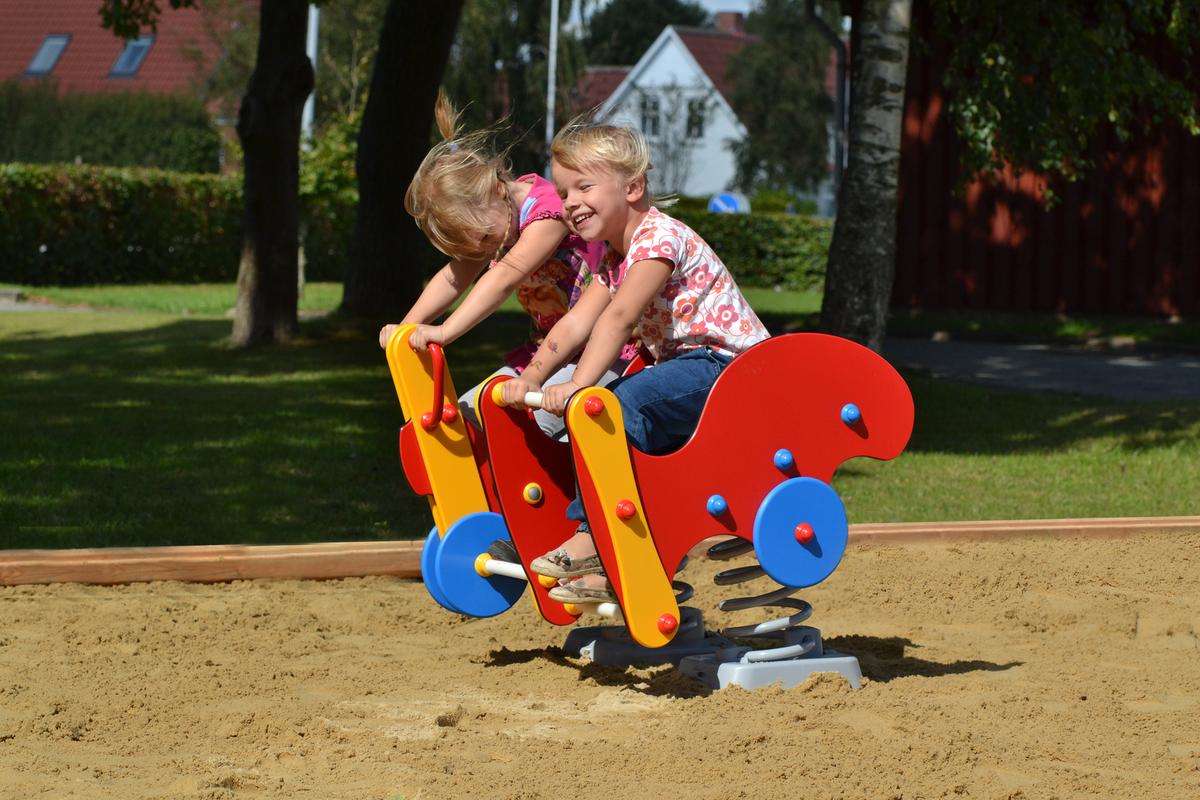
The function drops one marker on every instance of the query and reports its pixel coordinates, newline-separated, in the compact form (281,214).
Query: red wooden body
(785,393)
(521,454)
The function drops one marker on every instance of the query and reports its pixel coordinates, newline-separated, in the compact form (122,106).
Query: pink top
(699,305)
(549,291)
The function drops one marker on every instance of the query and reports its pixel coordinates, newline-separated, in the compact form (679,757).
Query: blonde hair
(452,192)
(585,143)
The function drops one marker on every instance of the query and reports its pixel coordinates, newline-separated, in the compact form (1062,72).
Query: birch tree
(858,281)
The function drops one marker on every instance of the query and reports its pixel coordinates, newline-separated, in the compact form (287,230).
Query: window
(48,54)
(131,57)
(649,116)
(695,119)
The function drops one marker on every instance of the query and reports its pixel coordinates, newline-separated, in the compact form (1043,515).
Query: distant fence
(1125,239)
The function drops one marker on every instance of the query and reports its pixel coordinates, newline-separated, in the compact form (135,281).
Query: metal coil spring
(799,640)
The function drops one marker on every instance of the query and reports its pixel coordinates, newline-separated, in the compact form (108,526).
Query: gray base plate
(611,645)
(718,673)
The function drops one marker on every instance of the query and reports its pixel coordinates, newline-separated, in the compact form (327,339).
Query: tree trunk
(384,275)
(269,129)
(858,281)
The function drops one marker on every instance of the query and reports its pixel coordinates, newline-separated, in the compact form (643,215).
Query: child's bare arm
(446,285)
(535,246)
(643,281)
(563,341)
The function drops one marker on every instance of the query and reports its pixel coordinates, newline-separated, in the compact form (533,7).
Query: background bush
(124,129)
(71,225)
(766,250)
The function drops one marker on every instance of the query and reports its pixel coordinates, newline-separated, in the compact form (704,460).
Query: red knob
(593,406)
(428,421)
(449,413)
(804,533)
(626,509)
(667,623)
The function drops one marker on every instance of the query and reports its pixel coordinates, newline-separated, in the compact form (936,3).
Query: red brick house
(62,40)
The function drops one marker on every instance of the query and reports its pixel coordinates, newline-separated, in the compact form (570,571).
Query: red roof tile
(595,85)
(712,50)
(89,57)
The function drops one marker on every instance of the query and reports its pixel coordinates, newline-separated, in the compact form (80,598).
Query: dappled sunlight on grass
(145,429)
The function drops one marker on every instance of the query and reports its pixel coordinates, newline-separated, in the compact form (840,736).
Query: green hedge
(126,129)
(70,226)
(766,250)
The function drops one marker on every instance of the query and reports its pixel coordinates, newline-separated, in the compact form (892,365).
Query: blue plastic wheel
(792,503)
(429,554)
(454,567)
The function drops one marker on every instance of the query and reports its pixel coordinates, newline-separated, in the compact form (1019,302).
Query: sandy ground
(1034,669)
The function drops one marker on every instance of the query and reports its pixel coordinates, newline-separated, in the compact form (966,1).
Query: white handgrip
(532,399)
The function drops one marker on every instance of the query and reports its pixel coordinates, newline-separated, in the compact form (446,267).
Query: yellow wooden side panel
(446,451)
(646,592)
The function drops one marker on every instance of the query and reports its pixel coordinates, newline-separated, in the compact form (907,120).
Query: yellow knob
(547,582)
(573,610)
(481,564)
(498,394)
(532,494)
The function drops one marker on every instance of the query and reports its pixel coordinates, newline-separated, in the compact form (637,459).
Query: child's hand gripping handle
(531,399)
(442,412)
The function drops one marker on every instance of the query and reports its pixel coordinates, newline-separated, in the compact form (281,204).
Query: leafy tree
(269,131)
(231,27)
(498,68)
(620,32)
(348,42)
(1033,83)
(779,95)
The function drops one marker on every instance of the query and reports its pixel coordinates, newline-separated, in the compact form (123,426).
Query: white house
(677,95)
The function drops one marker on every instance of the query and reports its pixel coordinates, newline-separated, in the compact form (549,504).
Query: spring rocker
(779,421)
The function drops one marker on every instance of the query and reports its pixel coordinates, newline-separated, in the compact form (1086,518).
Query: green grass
(200,299)
(142,428)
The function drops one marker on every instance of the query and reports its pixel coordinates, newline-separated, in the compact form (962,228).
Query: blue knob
(716,505)
(784,459)
(850,414)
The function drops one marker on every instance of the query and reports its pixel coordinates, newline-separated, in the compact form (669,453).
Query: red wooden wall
(1125,239)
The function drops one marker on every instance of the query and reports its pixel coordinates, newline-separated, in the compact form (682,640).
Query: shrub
(127,129)
(68,225)
(767,250)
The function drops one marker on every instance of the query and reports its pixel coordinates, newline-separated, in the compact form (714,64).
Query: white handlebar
(533,399)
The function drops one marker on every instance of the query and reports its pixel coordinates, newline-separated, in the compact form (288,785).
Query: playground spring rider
(778,422)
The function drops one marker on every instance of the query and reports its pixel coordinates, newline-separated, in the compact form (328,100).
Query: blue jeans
(662,404)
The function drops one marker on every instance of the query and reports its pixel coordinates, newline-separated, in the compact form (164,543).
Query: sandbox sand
(1030,669)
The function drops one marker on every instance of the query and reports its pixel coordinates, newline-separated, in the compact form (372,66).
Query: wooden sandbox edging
(217,563)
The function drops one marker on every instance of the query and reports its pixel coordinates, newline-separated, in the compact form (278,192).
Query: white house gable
(687,121)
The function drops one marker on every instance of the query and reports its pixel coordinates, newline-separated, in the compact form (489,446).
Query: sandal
(576,592)
(557,564)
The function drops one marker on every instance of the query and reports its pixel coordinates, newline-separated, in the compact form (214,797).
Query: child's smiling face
(595,201)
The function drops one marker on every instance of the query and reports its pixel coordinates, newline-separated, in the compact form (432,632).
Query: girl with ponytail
(504,235)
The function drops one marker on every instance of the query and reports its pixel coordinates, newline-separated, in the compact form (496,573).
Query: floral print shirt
(698,306)
(548,292)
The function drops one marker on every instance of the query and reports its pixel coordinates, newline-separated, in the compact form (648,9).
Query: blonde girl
(659,274)
(505,234)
